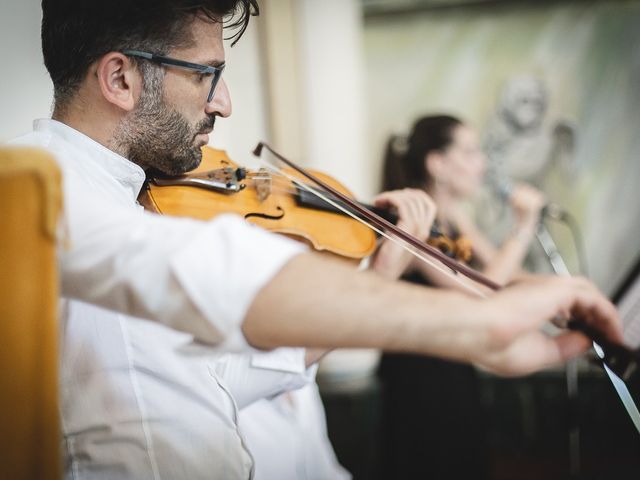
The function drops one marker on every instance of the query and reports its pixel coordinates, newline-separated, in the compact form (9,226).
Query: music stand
(571,369)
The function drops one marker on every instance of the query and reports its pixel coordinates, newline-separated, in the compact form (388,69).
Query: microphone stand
(571,371)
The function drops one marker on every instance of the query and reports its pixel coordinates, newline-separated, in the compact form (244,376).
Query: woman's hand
(527,203)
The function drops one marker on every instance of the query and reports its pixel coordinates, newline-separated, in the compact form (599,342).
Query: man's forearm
(313,302)
(320,303)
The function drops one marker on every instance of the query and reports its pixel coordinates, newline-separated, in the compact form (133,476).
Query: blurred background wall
(464,58)
(26,91)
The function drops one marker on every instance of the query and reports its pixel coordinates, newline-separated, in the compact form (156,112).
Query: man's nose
(220,104)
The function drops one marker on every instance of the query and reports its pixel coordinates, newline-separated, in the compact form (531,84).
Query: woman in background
(432,425)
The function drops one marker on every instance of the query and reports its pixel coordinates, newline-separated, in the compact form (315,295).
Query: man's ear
(119,80)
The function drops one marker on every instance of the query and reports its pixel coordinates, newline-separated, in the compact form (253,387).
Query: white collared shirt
(150,305)
(291,426)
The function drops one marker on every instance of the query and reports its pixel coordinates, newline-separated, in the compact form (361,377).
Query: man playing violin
(150,303)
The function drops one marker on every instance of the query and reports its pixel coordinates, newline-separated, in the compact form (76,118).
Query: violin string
(277,178)
(290,191)
(281,180)
(273,175)
(398,241)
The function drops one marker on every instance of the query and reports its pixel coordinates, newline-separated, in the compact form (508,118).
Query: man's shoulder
(33,139)
(45,140)
(60,148)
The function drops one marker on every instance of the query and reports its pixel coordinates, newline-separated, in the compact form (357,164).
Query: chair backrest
(30,203)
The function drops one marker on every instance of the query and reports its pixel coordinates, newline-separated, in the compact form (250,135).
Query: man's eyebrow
(214,63)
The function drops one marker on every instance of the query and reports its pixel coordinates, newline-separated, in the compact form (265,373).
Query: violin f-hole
(266,216)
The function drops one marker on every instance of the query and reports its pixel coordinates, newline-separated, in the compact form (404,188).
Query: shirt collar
(124,171)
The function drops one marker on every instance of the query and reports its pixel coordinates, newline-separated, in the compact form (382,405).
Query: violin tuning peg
(240,173)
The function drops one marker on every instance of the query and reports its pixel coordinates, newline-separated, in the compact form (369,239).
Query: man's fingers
(383,200)
(566,297)
(414,207)
(535,350)
(516,318)
(594,309)
(570,345)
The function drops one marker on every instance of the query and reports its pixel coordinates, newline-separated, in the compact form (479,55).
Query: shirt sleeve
(251,377)
(194,276)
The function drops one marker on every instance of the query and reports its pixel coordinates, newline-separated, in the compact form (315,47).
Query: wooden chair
(30,203)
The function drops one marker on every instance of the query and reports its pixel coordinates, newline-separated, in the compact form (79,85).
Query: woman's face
(464,163)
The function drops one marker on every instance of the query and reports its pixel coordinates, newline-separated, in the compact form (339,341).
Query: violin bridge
(262,183)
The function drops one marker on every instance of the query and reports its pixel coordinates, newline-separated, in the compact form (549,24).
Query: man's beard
(156,136)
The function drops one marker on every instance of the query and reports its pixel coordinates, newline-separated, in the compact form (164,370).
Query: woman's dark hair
(76,33)
(404,158)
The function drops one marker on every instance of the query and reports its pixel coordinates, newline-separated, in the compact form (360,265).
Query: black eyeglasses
(215,72)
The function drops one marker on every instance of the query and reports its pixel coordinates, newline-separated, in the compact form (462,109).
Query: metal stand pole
(571,370)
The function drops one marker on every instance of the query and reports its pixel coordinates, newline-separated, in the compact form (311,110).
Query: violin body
(270,203)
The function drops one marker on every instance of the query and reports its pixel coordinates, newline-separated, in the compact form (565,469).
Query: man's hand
(415,209)
(323,303)
(416,212)
(516,346)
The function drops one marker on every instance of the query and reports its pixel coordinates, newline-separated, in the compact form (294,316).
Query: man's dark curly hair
(76,33)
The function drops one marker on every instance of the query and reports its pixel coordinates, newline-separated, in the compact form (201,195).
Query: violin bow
(621,360)
(383,224)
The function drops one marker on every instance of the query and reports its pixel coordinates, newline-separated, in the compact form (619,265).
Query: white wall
(26,92)
(248,123)
(314,71)
(331,57)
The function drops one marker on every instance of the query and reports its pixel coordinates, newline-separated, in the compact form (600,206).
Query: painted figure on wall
(521,141)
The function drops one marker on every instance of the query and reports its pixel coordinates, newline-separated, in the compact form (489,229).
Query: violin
(263,198)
